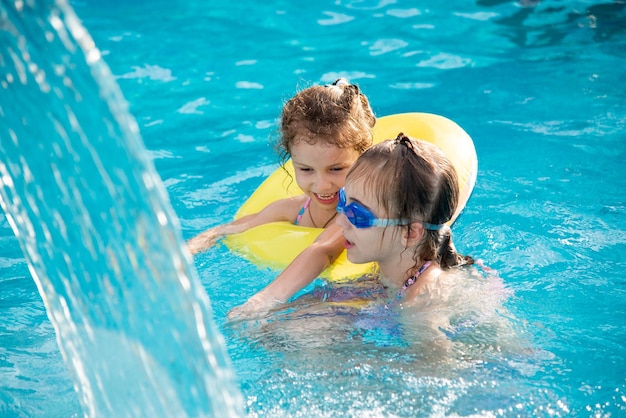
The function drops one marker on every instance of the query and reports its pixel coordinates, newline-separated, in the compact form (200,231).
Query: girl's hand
(203,241)
(208,238)
(257,306)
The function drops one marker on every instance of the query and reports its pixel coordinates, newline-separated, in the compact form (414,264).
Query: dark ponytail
(446,252)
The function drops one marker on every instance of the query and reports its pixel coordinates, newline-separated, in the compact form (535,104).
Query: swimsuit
(365,288)
(301,213)
(411,280)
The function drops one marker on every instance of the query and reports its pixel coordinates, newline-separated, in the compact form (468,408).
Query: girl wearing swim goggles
(414,181)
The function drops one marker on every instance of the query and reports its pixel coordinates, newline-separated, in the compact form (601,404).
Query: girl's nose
(323,182)
(342,221)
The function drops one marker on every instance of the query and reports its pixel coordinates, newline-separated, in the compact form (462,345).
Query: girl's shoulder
(429,284)
(286,209)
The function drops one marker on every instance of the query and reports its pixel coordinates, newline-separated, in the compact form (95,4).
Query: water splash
(101,240)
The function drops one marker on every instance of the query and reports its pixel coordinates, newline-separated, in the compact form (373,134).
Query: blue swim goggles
(361,217)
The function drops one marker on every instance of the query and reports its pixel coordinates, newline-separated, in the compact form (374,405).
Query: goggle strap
(432,227)
(394,222)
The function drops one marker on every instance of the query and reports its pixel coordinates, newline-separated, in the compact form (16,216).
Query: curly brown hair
(338,114)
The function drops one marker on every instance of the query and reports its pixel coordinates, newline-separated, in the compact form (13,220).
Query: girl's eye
(304,169)
(337,169)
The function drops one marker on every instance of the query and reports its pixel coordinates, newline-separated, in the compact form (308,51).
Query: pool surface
(539,85)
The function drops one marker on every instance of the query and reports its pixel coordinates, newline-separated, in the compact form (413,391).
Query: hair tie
(404,140)
(341,82)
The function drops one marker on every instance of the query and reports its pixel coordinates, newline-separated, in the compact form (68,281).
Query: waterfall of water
(102,242)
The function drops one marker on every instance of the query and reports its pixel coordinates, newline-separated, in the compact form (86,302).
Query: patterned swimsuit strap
(301,213)
(411,280)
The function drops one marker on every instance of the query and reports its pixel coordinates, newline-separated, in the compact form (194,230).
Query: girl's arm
(281,210)
(305,268)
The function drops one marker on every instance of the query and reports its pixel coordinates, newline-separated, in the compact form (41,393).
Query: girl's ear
(413,234)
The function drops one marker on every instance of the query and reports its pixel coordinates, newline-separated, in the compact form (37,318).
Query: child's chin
(353,258)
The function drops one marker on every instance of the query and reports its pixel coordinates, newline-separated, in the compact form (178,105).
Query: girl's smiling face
(321,170)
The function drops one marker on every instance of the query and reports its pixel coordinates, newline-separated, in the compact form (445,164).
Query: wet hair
(338,114)
(414,181)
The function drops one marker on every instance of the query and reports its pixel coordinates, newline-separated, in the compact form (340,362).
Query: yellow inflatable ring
(276,244)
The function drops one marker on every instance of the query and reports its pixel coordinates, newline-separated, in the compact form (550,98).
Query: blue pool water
(540,88)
